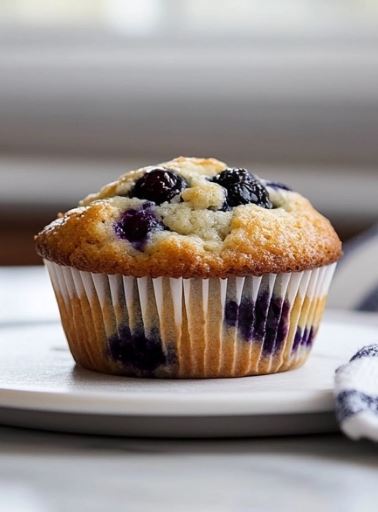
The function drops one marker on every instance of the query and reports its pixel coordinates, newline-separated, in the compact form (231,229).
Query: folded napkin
(356,391)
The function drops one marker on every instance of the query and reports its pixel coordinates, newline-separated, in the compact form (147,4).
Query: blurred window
(209,17)
(282,80)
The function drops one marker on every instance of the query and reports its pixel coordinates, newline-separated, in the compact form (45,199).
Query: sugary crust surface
(201,241)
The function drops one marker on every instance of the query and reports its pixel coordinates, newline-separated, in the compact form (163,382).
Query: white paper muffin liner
(167,327)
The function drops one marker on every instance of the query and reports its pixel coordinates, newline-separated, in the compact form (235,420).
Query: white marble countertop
(42,471)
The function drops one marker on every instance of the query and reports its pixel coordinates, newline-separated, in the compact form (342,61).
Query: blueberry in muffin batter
(135,225)
(143,355)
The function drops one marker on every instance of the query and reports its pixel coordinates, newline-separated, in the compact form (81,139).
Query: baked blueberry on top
(158,185)
(191,217)
(242,188)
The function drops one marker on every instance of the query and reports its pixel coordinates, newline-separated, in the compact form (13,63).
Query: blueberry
(231,313)
(158,185)
(137,353)
(242,188)
(297,339)
(136,225)
(263,321)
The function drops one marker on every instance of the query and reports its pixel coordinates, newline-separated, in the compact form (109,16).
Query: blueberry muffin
(190,268)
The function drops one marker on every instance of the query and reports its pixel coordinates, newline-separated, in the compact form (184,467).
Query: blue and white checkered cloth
(356,391)
(356,383)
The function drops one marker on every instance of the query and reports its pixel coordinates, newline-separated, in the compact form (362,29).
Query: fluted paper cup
(190,328)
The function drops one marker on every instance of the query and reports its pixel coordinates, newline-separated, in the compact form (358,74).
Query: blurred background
(90,88)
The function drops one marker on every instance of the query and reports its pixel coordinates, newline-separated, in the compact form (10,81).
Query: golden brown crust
(290,237)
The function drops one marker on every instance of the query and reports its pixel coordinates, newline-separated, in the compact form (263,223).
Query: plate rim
(163,404)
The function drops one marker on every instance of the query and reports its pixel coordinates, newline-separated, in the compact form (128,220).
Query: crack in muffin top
(191,217)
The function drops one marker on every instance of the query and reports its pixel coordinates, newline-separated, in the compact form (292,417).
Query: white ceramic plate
(41,387)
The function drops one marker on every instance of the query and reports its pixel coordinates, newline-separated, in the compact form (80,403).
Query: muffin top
(191,217)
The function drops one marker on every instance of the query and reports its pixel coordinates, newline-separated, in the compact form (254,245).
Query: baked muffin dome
(191,217)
